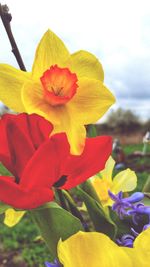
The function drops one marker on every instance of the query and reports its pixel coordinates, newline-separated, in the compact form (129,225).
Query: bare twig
(6,19)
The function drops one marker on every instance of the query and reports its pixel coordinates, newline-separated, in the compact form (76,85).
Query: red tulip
(40,163)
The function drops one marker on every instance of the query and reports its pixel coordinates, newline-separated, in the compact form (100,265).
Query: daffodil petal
(124,181)
(32,98)
(76,133)
(50,51)
(85,64)
(76,137)
(106,174)
(91,249)
(11,82)
(12,217)
(62,118)
(101,187)
(142,249)
(140,253)
(91,101)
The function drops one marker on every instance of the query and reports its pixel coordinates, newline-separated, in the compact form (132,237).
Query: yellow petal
(124,181)
(76,133)
(140,253)
(11,82)
(12,217)
(101,187)
(32,98)
(91,249)
(91,101)
(76,136)
(62,118)
(50,51)
(107,172)
(84,64)
(142,249)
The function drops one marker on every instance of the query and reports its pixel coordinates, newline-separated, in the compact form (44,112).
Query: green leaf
(55,223)
(92,132)
(89,189)
(3,207)
(101,220)
(123,226)
(146,199)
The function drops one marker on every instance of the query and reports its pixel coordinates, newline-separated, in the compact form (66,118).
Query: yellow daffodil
(12,217)
(124,181)
(66,89)
(140,254)
(98,250)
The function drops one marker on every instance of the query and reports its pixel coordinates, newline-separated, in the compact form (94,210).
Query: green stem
(74,210)
(145,146)
(61,199)
(146,188)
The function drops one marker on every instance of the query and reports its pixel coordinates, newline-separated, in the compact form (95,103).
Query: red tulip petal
(5,157)
(29,132)
(44,168)
(14,195)
(38,129)
(79,168)
(20,147)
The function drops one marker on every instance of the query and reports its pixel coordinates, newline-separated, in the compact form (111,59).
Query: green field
(20,246)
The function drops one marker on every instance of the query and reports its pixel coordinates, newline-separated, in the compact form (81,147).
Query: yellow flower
(98,250)
(66,89)
(12,217)
(124,181)
(140,254)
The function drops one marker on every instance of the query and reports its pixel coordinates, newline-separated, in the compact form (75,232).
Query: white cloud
(116,31)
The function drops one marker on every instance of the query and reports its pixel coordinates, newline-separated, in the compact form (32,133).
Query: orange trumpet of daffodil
(66,89)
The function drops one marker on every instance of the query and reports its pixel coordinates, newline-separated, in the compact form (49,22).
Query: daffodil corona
(66,89)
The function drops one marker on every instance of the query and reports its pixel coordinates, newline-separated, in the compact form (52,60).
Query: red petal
(12,194)
(20,135)
(44,168)
(5,157)
(38,129)
(79,168)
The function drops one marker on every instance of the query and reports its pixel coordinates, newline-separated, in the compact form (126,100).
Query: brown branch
(6,19)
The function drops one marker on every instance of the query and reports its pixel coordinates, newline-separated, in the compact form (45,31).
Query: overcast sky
(116,31)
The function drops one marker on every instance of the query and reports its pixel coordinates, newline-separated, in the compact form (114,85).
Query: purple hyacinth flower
(130,206)
(137,212)
(126,241)
(119,205)
(55,264)
(141,209)
(146,226)
(122,205)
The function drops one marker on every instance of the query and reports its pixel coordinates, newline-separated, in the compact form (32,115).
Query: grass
(22,237)
(143,175)
(129,149)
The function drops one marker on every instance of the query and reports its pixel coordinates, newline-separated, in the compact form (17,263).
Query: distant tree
(147,126)
(123,120)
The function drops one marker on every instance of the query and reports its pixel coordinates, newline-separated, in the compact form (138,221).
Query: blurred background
(117,32)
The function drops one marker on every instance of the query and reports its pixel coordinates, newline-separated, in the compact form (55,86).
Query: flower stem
(6,19)
(74,210)
(146,188)
(61,199)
